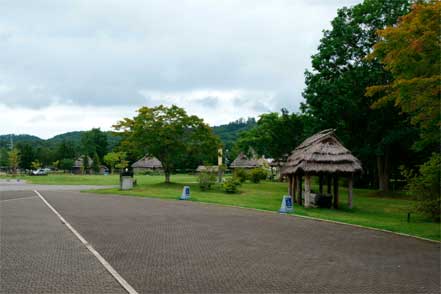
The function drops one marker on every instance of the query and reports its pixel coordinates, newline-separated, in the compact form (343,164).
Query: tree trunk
(383,171)
(167,177)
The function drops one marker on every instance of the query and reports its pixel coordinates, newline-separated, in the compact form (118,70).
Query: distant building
(242,161)
(78,166)
(208,168)
(147,163)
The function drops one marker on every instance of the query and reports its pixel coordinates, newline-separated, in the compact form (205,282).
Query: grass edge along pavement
(370,211)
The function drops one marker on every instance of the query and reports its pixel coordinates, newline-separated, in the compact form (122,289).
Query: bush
(240,174)
(258,174)
(231,185)
(426,187)
(206,180)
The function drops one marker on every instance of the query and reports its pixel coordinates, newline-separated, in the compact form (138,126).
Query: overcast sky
(70,65)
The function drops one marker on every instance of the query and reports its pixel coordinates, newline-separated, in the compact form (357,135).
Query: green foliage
(335,89)
(240,174)
(231,185)
(95,163)
(65,164)
(14,160)
(411,51)
(27,155)
(425,186)
(169,134)
(36,165)
(65,149)
(258,174)
(274,136)
(206,180)
(116,160)
(4,157)
(94,142)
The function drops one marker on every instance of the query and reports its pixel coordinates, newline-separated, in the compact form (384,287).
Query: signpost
(185,193)
(286,205)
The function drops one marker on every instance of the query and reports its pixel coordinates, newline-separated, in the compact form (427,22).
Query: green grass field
(385,211)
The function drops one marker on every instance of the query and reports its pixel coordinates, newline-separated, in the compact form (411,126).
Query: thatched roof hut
(321,155)
(242,161)
(208,168)
(147,162)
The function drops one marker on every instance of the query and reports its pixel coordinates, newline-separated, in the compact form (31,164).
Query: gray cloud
(105,53)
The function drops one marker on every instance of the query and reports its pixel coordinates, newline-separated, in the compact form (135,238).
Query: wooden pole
(293,188)
(336,191)
(307,190)
(299,189)
(290,184)
(350,183)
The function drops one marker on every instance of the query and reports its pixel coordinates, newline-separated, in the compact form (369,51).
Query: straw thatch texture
(147,163)
(321,153)
(242,161)
(209,168)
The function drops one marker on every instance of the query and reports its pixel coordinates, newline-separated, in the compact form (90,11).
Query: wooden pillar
(307,190)
(335,191)
(290,184)
(321,184)
(328,177)
(299,189)
(293,188)
(350,181)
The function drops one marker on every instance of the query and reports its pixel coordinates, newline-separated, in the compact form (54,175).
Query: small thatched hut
(208,168)
(324,156)
(147,163)
(78,166)
(242,161)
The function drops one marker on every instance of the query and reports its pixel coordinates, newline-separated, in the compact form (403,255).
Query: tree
(411,52)
(35,164)
(335,89)
(27,155)
(169,134)
(66,164)
(94,141)
(95,163)
(14,160)
(114,159)
(275,135)
(4,157)
(65,149)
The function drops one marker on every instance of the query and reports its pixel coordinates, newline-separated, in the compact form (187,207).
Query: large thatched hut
(324,156)
(242,161)
(147,163)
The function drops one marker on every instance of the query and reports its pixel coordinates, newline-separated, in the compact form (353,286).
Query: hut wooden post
(307,190)
(321,184)
(299,190)
(336,191)
(350,182)
(293,188)
(290,184)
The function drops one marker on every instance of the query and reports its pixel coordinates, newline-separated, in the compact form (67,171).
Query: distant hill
(230,132)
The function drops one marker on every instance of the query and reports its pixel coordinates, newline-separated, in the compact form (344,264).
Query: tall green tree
(14,160)
(94,141)
(411,52)
(169,134)
(335,89)
(115,159)
(27,155)
(4,157)
(65,149)
(275,135)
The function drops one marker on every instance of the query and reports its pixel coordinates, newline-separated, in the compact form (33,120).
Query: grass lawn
(386,211)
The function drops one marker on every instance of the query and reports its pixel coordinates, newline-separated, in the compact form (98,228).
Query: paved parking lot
(162,246)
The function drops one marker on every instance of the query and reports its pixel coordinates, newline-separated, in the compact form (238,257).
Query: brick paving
(163,246)
(39,255)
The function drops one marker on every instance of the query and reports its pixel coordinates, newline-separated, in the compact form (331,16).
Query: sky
(77,64)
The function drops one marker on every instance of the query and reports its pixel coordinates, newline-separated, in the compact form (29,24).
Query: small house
(147,163)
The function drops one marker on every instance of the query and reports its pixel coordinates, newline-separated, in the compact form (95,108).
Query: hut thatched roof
(242,161)
(321,152)
(147,162)
(208,168)
(79,162)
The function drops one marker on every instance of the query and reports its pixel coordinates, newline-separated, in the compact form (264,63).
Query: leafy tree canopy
(411,51)
(169,134)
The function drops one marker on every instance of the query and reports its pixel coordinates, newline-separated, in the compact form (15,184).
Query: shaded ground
(182,247)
